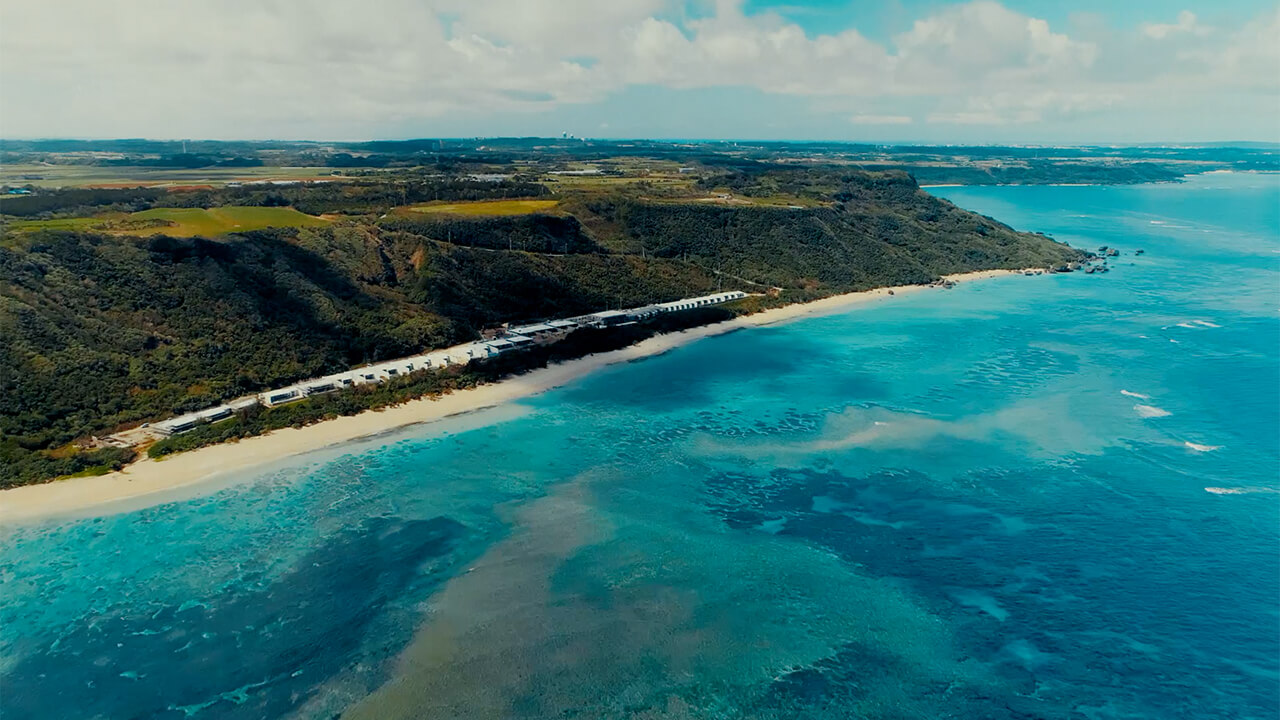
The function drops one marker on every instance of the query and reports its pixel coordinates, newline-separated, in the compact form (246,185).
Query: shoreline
(157,481)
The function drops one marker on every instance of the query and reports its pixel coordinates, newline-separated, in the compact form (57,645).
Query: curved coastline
(148,482)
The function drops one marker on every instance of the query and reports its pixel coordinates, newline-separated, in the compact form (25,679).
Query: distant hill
(56,162)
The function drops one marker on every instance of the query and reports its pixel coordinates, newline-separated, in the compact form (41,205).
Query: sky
(1015,71)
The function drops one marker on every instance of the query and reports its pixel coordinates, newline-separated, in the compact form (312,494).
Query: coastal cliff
(105,330)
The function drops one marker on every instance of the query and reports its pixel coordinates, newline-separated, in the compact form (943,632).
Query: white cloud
(337,69)
(1024,107)
(981,38)
(1250,57)
(968,117)
(1186,23)
(881,119)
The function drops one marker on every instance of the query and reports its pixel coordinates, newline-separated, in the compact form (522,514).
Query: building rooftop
(532,329)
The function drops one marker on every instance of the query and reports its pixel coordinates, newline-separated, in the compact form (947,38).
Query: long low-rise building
(610,318)
(704,301)
(515,338)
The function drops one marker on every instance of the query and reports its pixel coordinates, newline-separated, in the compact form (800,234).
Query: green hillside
(103,330)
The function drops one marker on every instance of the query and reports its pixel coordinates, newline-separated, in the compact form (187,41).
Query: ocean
(1028,497)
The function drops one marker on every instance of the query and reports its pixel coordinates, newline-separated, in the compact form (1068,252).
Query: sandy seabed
(157,480)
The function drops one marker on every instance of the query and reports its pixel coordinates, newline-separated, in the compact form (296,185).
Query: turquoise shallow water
(975,503)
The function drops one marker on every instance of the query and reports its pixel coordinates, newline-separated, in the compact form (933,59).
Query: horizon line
(670,140)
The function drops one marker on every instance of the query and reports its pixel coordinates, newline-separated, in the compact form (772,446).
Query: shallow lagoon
(955,502)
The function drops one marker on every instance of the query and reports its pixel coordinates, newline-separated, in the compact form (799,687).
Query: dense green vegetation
(880,230)
(108,330)
(103,331)
(76,201)
(20,466)
(488,208)
(1036,172)
(530,233)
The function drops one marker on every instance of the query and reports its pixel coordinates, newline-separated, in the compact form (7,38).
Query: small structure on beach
(271,398)
(610,318)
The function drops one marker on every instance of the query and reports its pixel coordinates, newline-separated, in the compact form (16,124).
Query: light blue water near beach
(987,502)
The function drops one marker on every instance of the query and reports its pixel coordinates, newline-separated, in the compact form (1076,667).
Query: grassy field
(222,220)
(84,175)
(488,208)
(180,222)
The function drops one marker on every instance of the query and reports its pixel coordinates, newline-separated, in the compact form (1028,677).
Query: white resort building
(514,338)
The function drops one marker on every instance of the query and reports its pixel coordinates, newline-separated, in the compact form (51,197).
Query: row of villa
(513,338)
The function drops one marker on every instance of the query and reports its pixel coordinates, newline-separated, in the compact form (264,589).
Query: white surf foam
(1140,396)
(1151,411)
(1201,448)
(1192,325)
(1239,490)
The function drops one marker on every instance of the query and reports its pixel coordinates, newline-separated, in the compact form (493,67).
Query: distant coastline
(927,186)
(148,482)
(1170,181)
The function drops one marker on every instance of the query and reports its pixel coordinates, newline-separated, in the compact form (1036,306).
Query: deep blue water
(987,502)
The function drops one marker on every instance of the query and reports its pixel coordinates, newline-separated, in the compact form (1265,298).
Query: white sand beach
(158,479)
